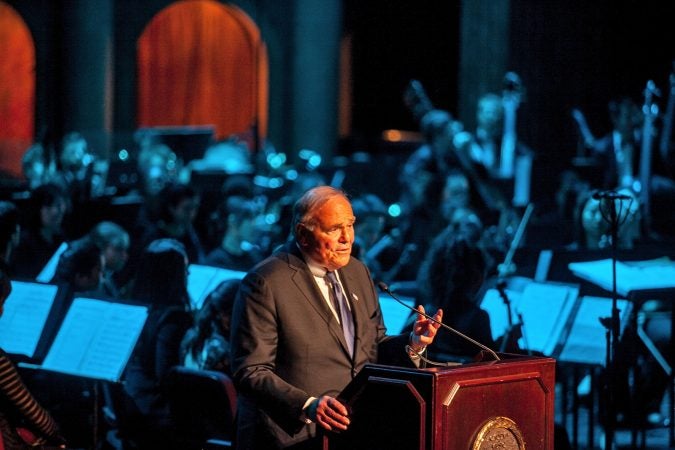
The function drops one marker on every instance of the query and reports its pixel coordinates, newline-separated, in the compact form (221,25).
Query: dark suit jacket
(287,345)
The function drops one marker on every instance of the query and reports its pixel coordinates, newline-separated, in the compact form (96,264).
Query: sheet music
(202,280)
(48,271)
(96,339)
(545,308)
(587,341)
(25,313)
(630,276)
(394,314)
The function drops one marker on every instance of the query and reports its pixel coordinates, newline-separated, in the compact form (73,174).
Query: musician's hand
(506,270)
(461,139)
(456,127)
(329,413)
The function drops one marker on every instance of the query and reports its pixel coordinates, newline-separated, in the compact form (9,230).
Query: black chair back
(203,406)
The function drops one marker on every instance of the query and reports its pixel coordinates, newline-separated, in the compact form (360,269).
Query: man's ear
(301,235)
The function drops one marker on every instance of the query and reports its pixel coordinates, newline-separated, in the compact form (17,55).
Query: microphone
(384,288)
(610,195)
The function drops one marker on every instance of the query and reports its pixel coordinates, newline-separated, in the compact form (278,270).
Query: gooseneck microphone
(384,288)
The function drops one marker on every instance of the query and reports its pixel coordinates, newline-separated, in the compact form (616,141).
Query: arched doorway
(201,62)
(17,90)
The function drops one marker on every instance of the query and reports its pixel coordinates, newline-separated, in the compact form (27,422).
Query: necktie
(342,309)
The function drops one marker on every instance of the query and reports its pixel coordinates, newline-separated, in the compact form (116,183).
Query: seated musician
(450,277)
(619,155)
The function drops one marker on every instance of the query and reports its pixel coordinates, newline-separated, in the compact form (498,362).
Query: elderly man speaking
(305,321)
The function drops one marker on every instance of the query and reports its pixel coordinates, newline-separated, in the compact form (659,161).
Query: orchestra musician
(494,146)
(627,160)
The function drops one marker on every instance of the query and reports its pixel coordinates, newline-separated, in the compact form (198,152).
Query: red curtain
(17,89)
(202,63)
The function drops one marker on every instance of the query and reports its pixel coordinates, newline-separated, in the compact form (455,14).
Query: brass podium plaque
(499,433)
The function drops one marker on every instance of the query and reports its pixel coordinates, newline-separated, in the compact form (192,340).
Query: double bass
(418,102)
(650,111)
(512,164)
(490,193)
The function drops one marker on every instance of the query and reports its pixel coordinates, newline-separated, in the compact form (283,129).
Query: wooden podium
(505,404)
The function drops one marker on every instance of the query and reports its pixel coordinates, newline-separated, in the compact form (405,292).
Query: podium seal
(499,433)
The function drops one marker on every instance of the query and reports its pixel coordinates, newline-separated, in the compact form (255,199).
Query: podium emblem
(501,433)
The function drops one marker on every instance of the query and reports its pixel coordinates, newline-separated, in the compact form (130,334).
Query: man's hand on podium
(328,413)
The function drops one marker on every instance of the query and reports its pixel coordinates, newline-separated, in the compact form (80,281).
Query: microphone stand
(612,324)
(514,331)
(383,286)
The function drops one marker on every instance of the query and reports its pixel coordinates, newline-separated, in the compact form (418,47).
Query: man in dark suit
(293,350)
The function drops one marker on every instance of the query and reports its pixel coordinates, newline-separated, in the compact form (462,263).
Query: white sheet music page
(26,312)
(96,339)
(630,276)
(545,308)
(587,340)
(395,315)
(204,279)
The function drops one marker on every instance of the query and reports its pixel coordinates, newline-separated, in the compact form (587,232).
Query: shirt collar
(317,269)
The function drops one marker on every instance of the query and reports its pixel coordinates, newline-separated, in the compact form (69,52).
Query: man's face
(330,240)
(52,215)
(73,154)
(186,210)
(116,255)
(591,218)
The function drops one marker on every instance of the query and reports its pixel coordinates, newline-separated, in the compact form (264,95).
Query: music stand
(642,295)
(638,281)
(613,216)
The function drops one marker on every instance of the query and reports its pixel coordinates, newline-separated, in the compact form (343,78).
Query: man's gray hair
(310,202)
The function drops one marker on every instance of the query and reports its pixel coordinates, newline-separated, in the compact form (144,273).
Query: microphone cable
(430,362)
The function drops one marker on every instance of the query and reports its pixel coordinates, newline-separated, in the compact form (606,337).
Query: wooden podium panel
(507,404)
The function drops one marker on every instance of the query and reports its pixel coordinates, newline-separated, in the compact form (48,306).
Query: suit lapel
(304,281)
